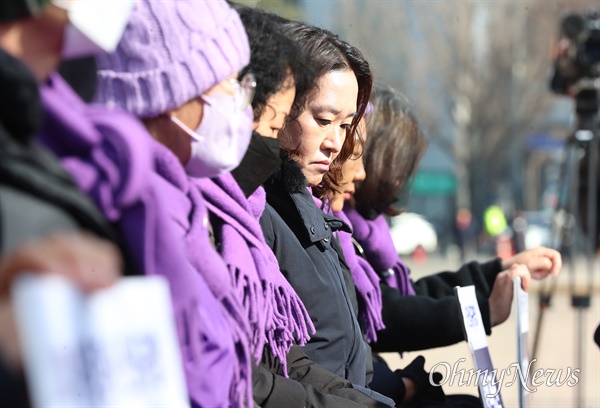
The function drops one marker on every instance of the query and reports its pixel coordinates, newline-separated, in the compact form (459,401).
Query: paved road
(557,350)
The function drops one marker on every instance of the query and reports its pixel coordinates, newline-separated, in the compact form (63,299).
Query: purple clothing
(376,239)
(188,210)
(274,310)
(114,160)
(367,285)
(366,280)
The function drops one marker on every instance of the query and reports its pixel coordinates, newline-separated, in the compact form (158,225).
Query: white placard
(475,334)
(471,314)
(521,299)
(116,347)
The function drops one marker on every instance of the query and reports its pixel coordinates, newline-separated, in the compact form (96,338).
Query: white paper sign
(471,314)
(475,334)
(117,347)
(521,299)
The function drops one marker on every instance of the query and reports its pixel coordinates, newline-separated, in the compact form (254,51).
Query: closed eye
(346,126)
(323,122)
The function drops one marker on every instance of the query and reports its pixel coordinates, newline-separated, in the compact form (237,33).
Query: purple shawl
(376,239)
(367,285)
(365,279)
(113,160)
(274,310)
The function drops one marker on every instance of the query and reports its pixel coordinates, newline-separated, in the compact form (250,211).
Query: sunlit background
(477,75)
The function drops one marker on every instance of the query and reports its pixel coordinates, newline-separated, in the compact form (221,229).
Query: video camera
(577,74)
(577,61)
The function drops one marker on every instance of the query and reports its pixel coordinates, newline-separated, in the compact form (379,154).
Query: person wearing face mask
(235,200)
(283,78)
(298,232)
(285,376)
(318,136)
(141,186)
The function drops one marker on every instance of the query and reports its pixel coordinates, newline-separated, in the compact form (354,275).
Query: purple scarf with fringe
(376,239)
(274,310)
(114,161)
(189,211)
(365,279)
(367,285)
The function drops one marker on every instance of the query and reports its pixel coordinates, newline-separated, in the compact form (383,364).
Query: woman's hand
(500,299)
(88,262)
(540,261)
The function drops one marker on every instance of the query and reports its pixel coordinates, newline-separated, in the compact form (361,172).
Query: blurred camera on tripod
(577,74)
(577,55)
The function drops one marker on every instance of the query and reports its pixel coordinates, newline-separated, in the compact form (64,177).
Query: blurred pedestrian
(463,231)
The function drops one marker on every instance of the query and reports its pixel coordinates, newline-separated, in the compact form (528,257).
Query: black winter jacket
(300,235)
(432,317)
(37,196)
(308,385)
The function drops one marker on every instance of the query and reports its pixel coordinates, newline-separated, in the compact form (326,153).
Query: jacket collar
(289,181)
(20,106)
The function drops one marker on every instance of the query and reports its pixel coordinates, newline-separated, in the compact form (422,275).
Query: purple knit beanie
(170,53)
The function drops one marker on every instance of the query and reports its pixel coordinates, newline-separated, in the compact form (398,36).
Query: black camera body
(578,62)
(577,74)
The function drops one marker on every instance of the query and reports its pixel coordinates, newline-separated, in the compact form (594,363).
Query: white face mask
(222,138)
(95,26)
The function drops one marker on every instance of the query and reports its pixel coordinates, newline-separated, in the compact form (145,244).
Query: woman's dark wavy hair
(273,57)
(394,147)
(327,52)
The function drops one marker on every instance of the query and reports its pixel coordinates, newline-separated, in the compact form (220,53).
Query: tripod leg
(580,358)
(545,298)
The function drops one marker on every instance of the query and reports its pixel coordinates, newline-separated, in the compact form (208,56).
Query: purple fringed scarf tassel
(365,279)
(274,310)
(221,287)
(367,285)
(140,185)
(376,239)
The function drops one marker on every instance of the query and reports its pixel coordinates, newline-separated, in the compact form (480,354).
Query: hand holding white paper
(116,347)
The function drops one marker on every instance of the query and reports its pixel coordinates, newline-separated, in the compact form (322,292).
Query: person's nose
(335,140)
(360,174)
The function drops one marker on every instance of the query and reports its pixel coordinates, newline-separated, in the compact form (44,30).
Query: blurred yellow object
(494,220)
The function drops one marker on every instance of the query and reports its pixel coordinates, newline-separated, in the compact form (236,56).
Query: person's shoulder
(267,223)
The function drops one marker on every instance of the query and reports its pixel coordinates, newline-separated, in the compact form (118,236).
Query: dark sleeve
(431,318)
(421,322)
(308,385)
(275,391)
(266,224)
(13,390)
(481,275)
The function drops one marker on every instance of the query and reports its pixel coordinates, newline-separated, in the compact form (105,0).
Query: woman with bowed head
(392,152)
(423,314)
(235,201)
(316,141)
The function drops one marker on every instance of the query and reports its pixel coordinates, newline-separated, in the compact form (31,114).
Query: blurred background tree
(477,75)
